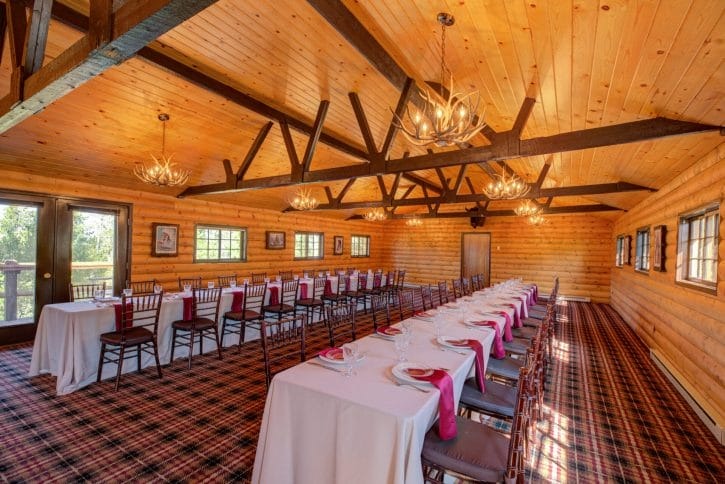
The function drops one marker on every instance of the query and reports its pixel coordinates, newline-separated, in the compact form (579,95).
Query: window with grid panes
(309,245)
(697,244)
(360,246)
(641,261)
(619,256)
(214,243)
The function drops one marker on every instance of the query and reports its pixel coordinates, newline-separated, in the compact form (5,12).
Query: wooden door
(476,255)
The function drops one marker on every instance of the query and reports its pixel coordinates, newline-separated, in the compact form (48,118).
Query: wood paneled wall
(149,207)
(577,248)
(685,326)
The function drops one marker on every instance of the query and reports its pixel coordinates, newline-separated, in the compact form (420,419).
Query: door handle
(47,275)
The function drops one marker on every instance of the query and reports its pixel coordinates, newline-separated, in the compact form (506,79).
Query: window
(360,246)
(619,256)
(697,244)
(308,245)
(641,261)
(220,244)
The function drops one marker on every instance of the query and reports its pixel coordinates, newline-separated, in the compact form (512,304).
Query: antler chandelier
(527,209)
(375,215)
(162,172)
(536,219)
(506,187)
(414,222)
(447,118)
(304,200)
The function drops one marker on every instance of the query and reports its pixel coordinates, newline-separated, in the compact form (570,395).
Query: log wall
(577,248)
(150,207)
(686,327)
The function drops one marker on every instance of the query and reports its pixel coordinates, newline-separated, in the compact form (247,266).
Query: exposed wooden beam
(504,213)
(405,94)
(315,135)
(419,180)
(345,189)
(291,150)
(134,25)
(459,179)
(17,28)
(543,173)
(3,28)
(362,122)
(526,107)
(253,150)
(37,36)
(100,22)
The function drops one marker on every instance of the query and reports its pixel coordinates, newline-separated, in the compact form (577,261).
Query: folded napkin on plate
(423,314)
(388,330)
(447,429)
(332,353)
(507,334)
(237,301)
(129,315)
(498,350)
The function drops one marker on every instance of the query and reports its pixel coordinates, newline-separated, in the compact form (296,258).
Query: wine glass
(439,324)
(128,292)
(232,283)
(210,284)
(350,355)
(402,342)
(187,288)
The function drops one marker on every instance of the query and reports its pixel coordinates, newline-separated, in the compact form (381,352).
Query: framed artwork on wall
(339,245)
(275,240)
(658,248)
(164,240)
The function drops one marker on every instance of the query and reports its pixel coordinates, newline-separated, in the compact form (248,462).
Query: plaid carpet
(610,418)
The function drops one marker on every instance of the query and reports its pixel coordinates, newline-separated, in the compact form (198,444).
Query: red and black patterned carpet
(611,417)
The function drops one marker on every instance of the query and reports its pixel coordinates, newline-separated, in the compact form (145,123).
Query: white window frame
(221,230)
(359,246)
(306,248)
(706,246)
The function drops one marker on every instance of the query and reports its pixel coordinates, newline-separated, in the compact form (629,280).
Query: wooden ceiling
(587,64)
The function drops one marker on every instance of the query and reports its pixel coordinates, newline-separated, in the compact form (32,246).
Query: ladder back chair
(466,285)
(251,315)
(287,299)
(141,287)
(341,322)
(81,292)
(258,277)
(443,293)
(283,341)
(354,296)
(194,282)
(426,296)
(286,275)
(406,308)
(457,289)
(137,324)
(204,317)
(333,298)
(381,310)
(314,300)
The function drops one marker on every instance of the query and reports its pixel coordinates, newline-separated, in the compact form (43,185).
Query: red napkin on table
(328,287)
(498,350)
(447,429)
(303,291)
(129,315)
(477,347)
(188,309)
(507,334)
(517,318)
(273,295)
(237,301)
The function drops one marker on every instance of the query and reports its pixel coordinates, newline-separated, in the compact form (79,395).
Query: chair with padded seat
(283,342)
(355,296)
(341,322)
(375,288)
(227,281)
(466,286)
(204,317)
(81,292)
(457,288)
(314,300)
(286,303)
(251,315)
(194,282)
(333,298)
(140,288)
(426,297)
(137,330)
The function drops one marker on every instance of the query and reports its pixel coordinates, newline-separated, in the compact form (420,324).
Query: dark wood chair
(350,271)
(139,288)
(355,296)
(81,292)
(406,308)
(375,288)
(314,300)
(194,282)
(258,277)
(426,297)
(236,322)
(341,321)
(389,287)
(226,281)
(205,314)
(338,270)
(331,298)
(286,275)
(283,341)
(381,310)
(136,331)
(457,289)
(466,286)
(443,293)
(287,298)
(475,285)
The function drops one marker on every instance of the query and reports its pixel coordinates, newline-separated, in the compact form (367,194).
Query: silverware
(401,384)
(313,362)
(443,348)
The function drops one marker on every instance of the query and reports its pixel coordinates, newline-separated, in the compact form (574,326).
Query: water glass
(187,288)
(232,283)
(350,356)
(402,342)
(158,288)
(98,294)
(128,292)
(439,324)
(246,282)
(210,284)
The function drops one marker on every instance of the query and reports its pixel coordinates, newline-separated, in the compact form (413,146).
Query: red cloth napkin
(188,309)
(447,429)
(237,301)
(362,282)
(517,318)
(129,315)
(477,347)
(273,295)
(303,291)
(507,334)
(498,350)
(328,287)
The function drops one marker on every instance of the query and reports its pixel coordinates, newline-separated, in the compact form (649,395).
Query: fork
(409,385)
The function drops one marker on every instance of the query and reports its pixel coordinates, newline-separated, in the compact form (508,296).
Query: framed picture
(339,245)
(164,240)
(275,240)
(658,248)
(626,250)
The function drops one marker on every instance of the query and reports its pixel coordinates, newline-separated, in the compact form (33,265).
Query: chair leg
(191,346)
(120,366)
(173,347)
(201,343)
(100,361)
(138,359)
(218,341)
(155,345)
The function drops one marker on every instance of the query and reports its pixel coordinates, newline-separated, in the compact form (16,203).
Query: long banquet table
(320,426)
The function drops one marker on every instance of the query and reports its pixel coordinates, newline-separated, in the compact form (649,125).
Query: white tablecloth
(319,426)
(67,343)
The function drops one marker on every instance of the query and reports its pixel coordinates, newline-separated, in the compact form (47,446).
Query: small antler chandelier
(414,222)
(162,172)
(447,119)
(537,220)
(506,187)
(527,209)
(304,200)
(375,215)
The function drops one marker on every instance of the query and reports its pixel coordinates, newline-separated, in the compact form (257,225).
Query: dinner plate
(388,331)
(427,315)
(336,357)
(405,371)
(453,342)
